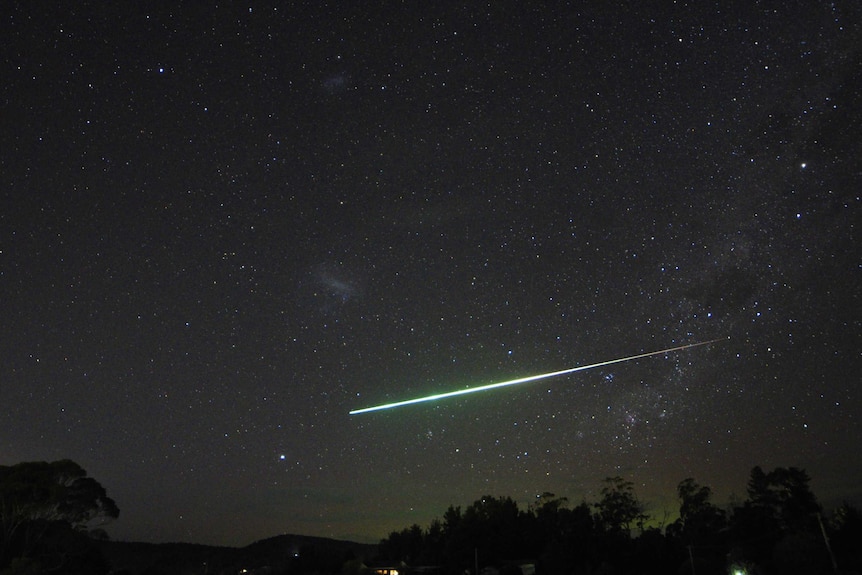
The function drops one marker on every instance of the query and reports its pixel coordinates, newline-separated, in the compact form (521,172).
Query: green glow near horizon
(526,379)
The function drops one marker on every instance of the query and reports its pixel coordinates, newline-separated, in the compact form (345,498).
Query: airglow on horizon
(520,380)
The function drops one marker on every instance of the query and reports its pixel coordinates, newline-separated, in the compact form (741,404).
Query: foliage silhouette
(45,508)
(619,509)
(775,530)
(700,529)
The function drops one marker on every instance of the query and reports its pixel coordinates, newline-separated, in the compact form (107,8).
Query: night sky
(224,227)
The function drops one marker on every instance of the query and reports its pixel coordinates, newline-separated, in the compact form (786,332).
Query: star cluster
(225,227)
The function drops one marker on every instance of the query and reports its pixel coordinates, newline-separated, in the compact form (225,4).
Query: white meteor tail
(527,379)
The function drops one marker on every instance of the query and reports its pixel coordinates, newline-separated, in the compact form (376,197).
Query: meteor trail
(530,378)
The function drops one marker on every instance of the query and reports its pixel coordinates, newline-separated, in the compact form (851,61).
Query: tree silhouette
(699,521)
(619,510)
(780,509)
(435,541)
(699,531)
(784,493)
(491,528)
(406,545)
(569,536)
(38,498)
(544,523)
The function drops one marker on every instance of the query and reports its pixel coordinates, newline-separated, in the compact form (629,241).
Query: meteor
(529,378)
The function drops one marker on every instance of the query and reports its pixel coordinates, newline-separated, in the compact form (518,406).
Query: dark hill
(280,554)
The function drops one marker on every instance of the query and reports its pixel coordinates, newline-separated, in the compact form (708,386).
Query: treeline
(51,513)
(779,529)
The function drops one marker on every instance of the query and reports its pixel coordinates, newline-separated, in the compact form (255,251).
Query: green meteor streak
(526,379)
